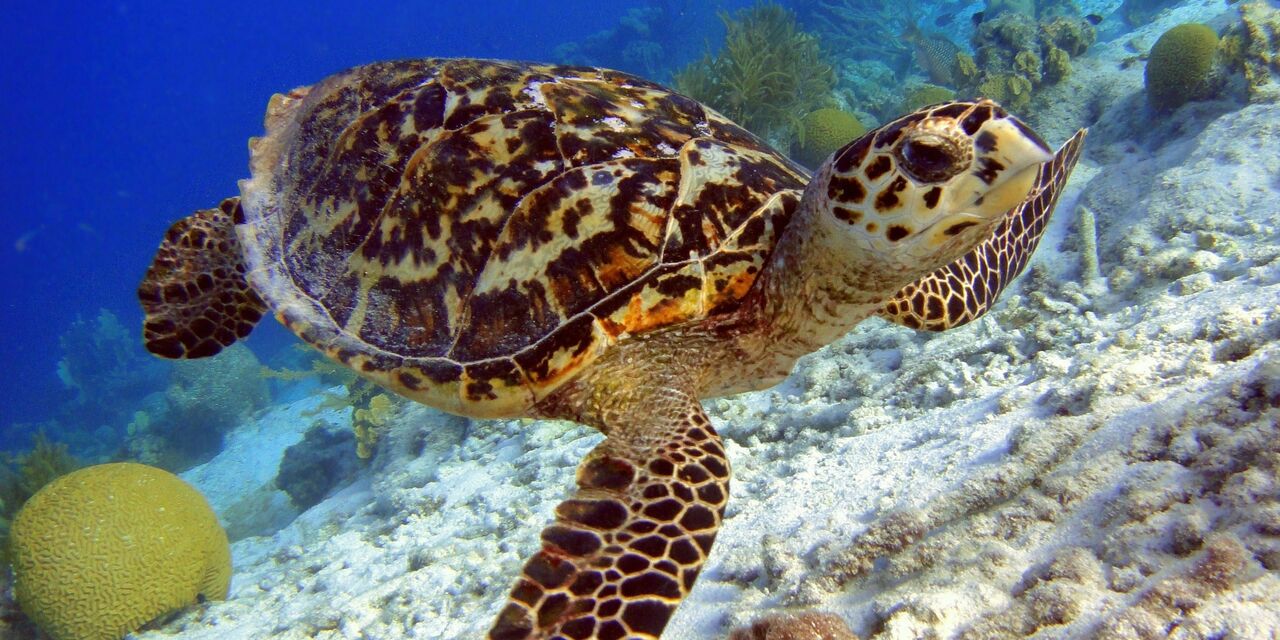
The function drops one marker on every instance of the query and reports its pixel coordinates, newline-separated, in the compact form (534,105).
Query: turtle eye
(928,158)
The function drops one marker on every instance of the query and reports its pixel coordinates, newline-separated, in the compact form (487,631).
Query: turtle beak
(1007,156)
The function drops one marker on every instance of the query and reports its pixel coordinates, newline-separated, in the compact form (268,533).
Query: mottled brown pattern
(194,295)
(446,212)
(962,291)
(628,546)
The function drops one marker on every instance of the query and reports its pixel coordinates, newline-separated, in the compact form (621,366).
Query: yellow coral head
(922,190)
(101,551)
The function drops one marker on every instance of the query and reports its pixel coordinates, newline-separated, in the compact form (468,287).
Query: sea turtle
(501,239)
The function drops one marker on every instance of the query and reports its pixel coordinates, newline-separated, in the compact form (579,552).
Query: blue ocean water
(125,116)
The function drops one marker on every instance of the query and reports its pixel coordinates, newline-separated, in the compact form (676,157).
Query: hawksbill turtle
(501,239)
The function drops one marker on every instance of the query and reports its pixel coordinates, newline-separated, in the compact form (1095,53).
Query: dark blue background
(121,117)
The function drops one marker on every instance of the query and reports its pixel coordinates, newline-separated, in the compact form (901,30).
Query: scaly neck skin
(814,288)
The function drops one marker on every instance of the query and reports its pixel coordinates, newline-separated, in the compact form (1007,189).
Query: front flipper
(195,295)
(627,547)
(962,291)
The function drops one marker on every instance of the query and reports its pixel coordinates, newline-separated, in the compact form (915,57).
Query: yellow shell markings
(598,122)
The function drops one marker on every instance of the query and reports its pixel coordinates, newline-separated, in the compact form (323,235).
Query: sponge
(103,550)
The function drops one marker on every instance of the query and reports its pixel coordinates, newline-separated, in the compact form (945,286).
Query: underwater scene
(740,319)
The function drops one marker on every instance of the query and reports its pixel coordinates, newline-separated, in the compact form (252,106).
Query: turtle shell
(473,233)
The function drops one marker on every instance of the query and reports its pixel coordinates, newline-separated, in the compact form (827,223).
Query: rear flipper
(964,290)
(626,549)
(195,295)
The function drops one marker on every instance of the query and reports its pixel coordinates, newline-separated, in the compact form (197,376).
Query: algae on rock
(1252,46)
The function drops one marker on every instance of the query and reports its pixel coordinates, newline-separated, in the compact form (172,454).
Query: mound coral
(822,132)
(766,78)
(925,95)
(101,551)
(1180,66)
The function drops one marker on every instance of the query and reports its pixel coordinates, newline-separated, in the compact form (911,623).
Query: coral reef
(1252,45)
(822,132)
(800,626)
(101,551)
(104,365)
(311,469)
(768,75)
(868,88)
(101,359)
(1012,90)
(371,407)
(13,624)
(647,40)
(1180,66)
(1069,466)
(995,8)
(205,399)
(1015,56)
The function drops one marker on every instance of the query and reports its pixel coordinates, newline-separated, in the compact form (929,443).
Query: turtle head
(923,190)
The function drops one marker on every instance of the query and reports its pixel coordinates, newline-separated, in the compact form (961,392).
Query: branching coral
(768,75)
(328,372)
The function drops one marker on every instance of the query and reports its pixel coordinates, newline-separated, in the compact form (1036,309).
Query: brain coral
(103,550)
(826,130)
(1180,65)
